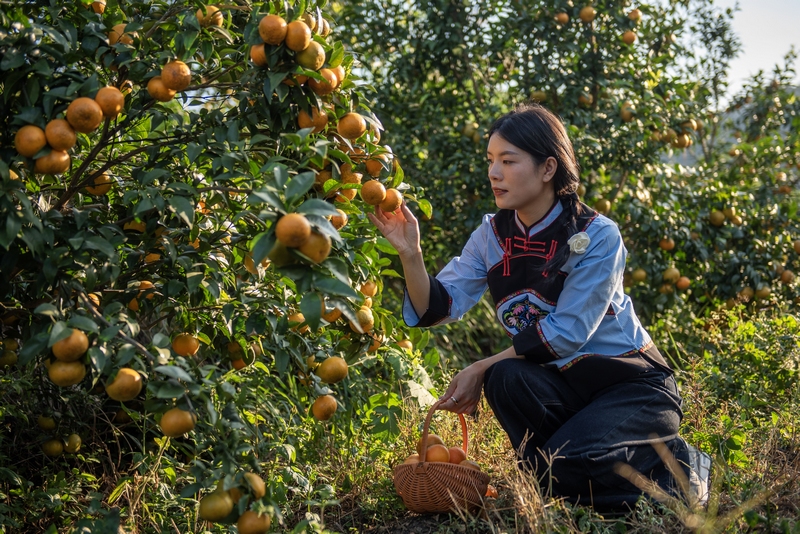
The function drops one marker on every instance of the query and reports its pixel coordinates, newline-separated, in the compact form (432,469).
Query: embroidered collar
(542,223)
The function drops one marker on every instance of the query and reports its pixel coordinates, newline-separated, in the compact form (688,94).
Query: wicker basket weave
(437,487)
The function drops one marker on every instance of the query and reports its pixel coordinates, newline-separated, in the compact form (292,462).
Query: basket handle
(425,428)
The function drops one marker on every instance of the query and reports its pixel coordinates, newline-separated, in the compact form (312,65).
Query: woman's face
(518,182)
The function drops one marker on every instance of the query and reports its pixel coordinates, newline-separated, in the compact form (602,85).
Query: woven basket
(437,487)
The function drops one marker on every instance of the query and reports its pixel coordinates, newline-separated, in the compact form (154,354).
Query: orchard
(201,328)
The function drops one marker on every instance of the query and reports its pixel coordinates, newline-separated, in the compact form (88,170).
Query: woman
(582,389)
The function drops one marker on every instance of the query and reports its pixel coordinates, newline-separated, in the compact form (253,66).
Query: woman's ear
(549,168)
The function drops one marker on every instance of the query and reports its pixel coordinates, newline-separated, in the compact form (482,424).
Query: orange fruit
(272,29)
(587,14)
(216,506)
(99,6)
(369,288)
(717,218)
(627,111)
(45,422)
(53,447)
(365,319)
(298,35)
(73,443)
(316,120)
(603,205)
(8,358)
(84,114)
(332,370)
(312,57)
(340,74)
(332,314)
(437,453)
(325,87)
(292,79)
(352,126)
(491,491)
(635,15)
(176,422)
(324,407)
(787,276)
(111,101)
(56,162)
(629,37)
(296,320)
(763,292)
(373,192)
(405,344)
(118,35)
(238,364)
(412,459)
(471,465)
(392,201)
(29,140)
(258,55)
(325,28)
(345,195)
(457,455)
(60,135)
(339,220)
(374,166)
(671,275)
(158,91)
(210,16)
(433,439)
(71,348)
(683,283)
(667,244)
(66,373)
(101,185)
(185,345)
(639,275)
(562,18)
(317,247)
(176,75)
(310,20)
(251,522)
(127,384)
(293,230)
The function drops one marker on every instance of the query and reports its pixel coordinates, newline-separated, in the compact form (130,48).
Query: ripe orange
(639,275)
(125,386)
(562,18)
(437,453)
(251,522)
(158,91)
(176,75)
(635,15)
(683,283)
(325,87)
(135,226)
(331,315)
(317,247)
(433,439)
(298,35)
(369,288)
(763,292)
(747,293)
(53,447)
(377,341)
(470,464)
(312,57)
(293,79)
(71,348)
(373,192)
(293,230)
(310,20)
(29,140)
(671,275)
(101,185)
(332,370)
(627,111)
(324,407)
(587,14)
(316,120)
(374,166)
(682,141)
(118,35)
(272,29)
(56,162)
(667,244)
(84,114)
(8,358)
(629,37)
(325,28)
(211,16)
(787,276)
(491,491)
(258,55)
(344,195)
(340,220)
(457,455)
(585,99)
(296,320)
(238,364)
(412,459)
(185,345)
(392,201)
(216,505)
(340,75)
(111,101)
(45,422)
(73,443)
(60,135)
(99,6)
(717,218)
(365,319)
(66,373)
(352,126)
(176,422)
(603,205)
(405,344)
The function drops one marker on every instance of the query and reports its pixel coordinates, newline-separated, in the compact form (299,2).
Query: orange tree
(642,88)
(183,243)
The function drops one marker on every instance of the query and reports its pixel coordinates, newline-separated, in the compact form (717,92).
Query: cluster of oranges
(83,115)
(436,451)
(219,505)
(588,13)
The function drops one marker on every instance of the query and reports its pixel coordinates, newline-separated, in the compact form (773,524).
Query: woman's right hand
(400,228)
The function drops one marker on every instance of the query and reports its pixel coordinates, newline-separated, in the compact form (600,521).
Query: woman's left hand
(464,392)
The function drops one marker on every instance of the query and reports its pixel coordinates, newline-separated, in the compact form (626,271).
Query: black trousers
(572,445)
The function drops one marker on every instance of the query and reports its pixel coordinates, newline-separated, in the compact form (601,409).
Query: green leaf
(169,390)
(311,308)
(193,281)
(316,206)
(46,309)
(183,208)
(83,323)
(332,286)
(299,185)
(173,371)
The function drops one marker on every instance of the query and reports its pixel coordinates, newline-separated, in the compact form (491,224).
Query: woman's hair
(540,133)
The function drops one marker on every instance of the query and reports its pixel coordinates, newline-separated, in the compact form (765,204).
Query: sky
(767,30)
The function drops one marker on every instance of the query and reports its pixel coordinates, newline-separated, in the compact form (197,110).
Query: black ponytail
(540,133)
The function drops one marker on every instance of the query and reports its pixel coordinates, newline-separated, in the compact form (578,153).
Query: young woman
(582,389)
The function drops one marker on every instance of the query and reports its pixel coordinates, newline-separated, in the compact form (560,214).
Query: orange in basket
(436,487)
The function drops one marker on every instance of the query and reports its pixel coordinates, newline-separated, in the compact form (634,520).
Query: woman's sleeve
(588,291)
(457,287)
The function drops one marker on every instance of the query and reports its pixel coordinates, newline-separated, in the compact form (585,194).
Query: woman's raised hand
(400,228)
(464,392)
